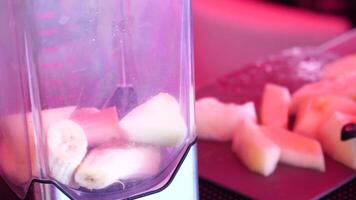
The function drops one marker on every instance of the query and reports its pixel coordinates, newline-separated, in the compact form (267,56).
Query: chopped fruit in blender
(256,150)
(307,91)
(317,109)
(99,126)
(15,166)
(342,87)
(275,106)
(330,139)
(217,121)
(340,68)
(15,135)
(67,146)
(82,113)
(158,121)
(50,116)
(296,150)
(105,166)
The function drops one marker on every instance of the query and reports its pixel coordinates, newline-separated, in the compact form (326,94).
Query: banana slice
(105,166)
(67,146)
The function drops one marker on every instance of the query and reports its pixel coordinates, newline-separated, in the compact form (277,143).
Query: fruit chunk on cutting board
(340,68)
(296,150)
(317,109)
(341,87)
(216,120)
(256,151)
(330,138)
(275,106)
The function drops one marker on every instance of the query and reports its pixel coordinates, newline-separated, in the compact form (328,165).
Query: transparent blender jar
(96,96)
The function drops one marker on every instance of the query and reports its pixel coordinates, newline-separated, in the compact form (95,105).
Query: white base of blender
(184,185)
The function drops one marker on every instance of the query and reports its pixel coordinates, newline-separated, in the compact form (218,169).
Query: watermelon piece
(83,113)
(99,126)
(14,165)
(158,121)
(296,150)
(275,106)
(15,150)
(256,151)
(317,109)
(238,113)
(330,139)
(217,121)
(340,87)
(340,68)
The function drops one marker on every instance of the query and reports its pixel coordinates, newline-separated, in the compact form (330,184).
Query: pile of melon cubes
(321,110)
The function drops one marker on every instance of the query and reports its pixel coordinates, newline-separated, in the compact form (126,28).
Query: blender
(97,99)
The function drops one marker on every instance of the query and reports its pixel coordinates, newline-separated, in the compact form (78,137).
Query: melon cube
(256,151)
(340,87)
(15,151)
(308,91)
(317,109)
(99,126)
(217,121)
(275,106)
(340,68)
(82,113)
(296,150)
(330,138)
(158,121)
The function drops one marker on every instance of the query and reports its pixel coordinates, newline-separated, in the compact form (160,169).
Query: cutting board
(218,163)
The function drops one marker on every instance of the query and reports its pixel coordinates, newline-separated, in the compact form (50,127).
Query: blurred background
(231,33)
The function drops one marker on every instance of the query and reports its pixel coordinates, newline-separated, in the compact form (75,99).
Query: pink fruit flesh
(210,120)
(217,121)
(256,151)
(296,150)
(100,127)
(330,139)
(236,114)
(83,113)
(341,87)
(317,109)
(275,106)
(14,165)
(341,68)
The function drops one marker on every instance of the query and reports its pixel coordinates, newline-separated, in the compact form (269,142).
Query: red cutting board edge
(218,163)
